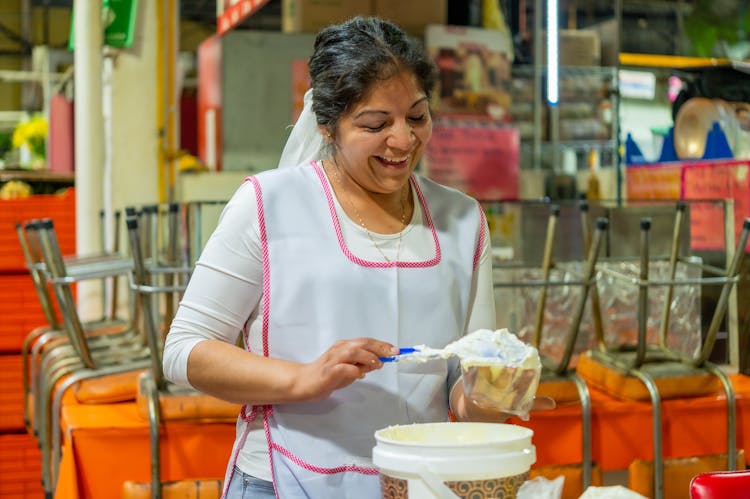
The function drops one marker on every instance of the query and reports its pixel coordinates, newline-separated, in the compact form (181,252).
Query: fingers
(363,352)
(342,364)
(543,404)
(466,408)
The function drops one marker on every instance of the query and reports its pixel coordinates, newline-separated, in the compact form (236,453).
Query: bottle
(563,185)
(593,187)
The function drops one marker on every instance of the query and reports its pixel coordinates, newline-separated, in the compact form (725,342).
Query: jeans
(244,486)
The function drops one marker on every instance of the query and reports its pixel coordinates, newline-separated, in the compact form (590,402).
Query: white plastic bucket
(450,460)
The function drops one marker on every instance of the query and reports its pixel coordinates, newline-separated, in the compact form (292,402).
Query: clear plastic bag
(504,388)
(613,492)
(541,488)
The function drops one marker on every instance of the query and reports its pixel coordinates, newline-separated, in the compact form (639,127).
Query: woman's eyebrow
(369,111)
(418,101)
(377,111)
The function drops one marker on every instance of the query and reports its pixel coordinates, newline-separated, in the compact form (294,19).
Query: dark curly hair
(349,58)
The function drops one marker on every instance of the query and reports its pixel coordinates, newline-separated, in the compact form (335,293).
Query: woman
(328,265)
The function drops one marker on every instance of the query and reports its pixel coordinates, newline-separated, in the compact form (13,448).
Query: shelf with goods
(586,114)
(32,182)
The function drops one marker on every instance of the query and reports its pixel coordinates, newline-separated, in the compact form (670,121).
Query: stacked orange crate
(20,310)
(20,467)
(11,394)
(59,207)
(20,461)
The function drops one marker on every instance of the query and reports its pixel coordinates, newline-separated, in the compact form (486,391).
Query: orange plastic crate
(20,467)
(11,393)
(59,207)
(20,311)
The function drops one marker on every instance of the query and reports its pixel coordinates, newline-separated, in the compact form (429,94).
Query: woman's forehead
(400,89)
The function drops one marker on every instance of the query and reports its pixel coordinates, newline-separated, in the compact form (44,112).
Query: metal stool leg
(656,430)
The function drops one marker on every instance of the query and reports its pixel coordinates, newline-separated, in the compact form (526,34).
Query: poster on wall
(479,158)
(715,180)
(473,70)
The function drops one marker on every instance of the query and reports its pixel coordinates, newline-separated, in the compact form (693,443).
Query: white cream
(499,370)
(494,348)
(482,347)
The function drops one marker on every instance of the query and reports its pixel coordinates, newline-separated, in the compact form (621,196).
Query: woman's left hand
(465,409)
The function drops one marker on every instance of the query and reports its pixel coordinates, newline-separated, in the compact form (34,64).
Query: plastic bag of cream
(613,492)
(499,370)
(541,488)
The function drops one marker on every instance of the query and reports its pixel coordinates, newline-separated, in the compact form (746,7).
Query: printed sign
(715,180)
(476,157)
(653,181)
(711,180)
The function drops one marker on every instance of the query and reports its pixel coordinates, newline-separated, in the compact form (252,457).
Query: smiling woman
(376,147)
(328,263)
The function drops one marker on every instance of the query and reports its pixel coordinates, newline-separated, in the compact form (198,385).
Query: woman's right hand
(341,365)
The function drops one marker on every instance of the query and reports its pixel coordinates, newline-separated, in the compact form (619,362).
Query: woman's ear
(326,133)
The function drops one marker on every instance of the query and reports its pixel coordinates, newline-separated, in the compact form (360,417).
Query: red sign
(236,13)
(715,180)
(480,158)
(659,181)
(700,182)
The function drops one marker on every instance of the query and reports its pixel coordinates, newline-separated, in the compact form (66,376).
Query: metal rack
(561,369)
(650,362)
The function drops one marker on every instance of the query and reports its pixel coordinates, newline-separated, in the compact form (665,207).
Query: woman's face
(381,140)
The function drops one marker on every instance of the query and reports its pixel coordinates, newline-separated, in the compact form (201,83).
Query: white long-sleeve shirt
(225,292)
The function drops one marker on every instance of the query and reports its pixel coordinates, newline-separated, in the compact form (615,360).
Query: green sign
(118,20)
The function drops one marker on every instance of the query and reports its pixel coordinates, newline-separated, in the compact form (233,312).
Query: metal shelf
(37,176)
(669,61)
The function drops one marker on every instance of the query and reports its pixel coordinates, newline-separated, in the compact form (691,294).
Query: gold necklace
(340,180)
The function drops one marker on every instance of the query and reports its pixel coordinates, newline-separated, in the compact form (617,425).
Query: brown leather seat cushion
(562,391)
(189,406)
(573,473)
(622,386)
(120,387)
(207,488)
(677,473)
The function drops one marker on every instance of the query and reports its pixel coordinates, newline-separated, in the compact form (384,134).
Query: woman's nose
(402,136)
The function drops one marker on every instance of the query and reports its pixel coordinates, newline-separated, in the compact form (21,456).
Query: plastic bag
(504,388)
(614,492)
(499,371)
(541,488)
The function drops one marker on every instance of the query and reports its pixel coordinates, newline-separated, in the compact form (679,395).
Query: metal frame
(75,351)
(635,360)
(163,255)
(561,370)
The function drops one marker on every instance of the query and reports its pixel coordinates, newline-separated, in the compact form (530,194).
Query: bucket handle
(436,484)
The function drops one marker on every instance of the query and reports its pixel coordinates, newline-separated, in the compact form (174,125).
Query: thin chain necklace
(340,180)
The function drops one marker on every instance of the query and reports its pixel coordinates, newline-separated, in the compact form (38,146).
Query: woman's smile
(398,163)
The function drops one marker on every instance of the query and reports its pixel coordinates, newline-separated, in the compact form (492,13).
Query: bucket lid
(457,434)
(464,449)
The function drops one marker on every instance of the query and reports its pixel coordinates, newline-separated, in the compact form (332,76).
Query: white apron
(316,292)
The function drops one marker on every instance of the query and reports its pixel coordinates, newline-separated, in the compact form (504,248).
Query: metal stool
(560,371)
(164,274)
(84,352)
(651,363)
